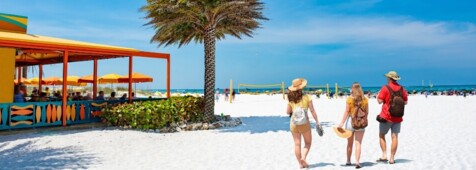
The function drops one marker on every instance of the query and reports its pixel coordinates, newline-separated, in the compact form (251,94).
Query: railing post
(130,79)
(65,86)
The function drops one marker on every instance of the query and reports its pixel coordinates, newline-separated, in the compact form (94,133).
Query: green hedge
(155,114)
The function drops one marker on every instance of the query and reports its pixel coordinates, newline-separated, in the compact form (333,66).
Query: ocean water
(332,89)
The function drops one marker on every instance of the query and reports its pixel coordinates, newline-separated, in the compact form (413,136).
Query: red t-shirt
(384,95)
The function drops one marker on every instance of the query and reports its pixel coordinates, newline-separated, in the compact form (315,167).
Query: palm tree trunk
(209,43)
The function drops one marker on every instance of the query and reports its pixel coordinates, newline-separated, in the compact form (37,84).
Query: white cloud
(383,32)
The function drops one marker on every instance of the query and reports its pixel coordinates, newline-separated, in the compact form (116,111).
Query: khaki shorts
(300,128)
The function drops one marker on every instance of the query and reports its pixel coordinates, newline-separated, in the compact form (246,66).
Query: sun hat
(298,84)
(393,75)
(341,132)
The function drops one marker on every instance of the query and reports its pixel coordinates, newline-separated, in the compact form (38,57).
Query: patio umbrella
(53,81)
(36,81)
(136,78)
(73,81)
(86,79)
(24,81)
(109,78)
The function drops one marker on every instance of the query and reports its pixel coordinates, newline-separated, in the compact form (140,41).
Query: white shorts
(348,125)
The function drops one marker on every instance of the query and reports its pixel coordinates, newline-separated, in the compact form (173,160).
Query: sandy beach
(435,134)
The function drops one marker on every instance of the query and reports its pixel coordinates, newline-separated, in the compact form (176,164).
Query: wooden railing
(43,114)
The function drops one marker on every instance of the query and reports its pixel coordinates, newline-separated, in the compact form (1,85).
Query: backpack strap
(401,91)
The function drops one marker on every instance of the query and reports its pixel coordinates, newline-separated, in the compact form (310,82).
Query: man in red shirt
(387,121)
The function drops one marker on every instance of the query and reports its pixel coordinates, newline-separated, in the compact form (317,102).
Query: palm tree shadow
(322,164)
(27,156)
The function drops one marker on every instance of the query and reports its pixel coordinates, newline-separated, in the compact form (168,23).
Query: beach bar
(19,49)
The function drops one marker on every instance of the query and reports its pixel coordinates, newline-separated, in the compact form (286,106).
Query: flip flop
(391,162)
(319,130)
(382,160)
(358,166)
(348,164)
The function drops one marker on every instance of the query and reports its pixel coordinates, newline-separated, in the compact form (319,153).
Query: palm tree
(204,21)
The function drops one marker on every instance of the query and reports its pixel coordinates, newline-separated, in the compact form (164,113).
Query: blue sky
(324,41)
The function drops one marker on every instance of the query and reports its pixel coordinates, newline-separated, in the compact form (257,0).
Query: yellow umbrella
(52,81)
(136,78)
(109,78)
(86,79)
(73,81)
(36,81)
(24,81)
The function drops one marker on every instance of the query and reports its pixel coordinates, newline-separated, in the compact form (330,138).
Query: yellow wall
(7,74)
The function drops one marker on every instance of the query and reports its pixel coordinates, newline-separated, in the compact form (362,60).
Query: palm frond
(181,21)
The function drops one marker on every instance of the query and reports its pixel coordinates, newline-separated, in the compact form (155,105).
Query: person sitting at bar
(47,91)
(134,95)
(23,89)
(43,97)
(77,96)
(123,97)
(100,96)
(34,91)
(18,95)
(113,96)
(88,97)
(58,96)
(34,98)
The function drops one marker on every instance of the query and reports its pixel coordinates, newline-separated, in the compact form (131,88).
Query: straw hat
(393,75)
(341,132)
(298,84)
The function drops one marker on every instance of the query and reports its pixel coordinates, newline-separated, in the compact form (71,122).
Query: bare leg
(350,143)
(359,135)
(297,147)
(394,147)
(383,146)
(307,145)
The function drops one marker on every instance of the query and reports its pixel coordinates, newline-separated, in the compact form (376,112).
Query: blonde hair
(357,94)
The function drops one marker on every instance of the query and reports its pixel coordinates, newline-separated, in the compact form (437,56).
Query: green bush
(155,114)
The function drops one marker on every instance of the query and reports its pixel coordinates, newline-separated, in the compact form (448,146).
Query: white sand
(436,134)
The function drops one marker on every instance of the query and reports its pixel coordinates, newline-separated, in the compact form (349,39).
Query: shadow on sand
(264,124)
(28,133)
(322,164)
(399,161)
(26,156)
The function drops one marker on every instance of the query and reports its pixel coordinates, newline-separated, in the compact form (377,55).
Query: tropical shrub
(156,114)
